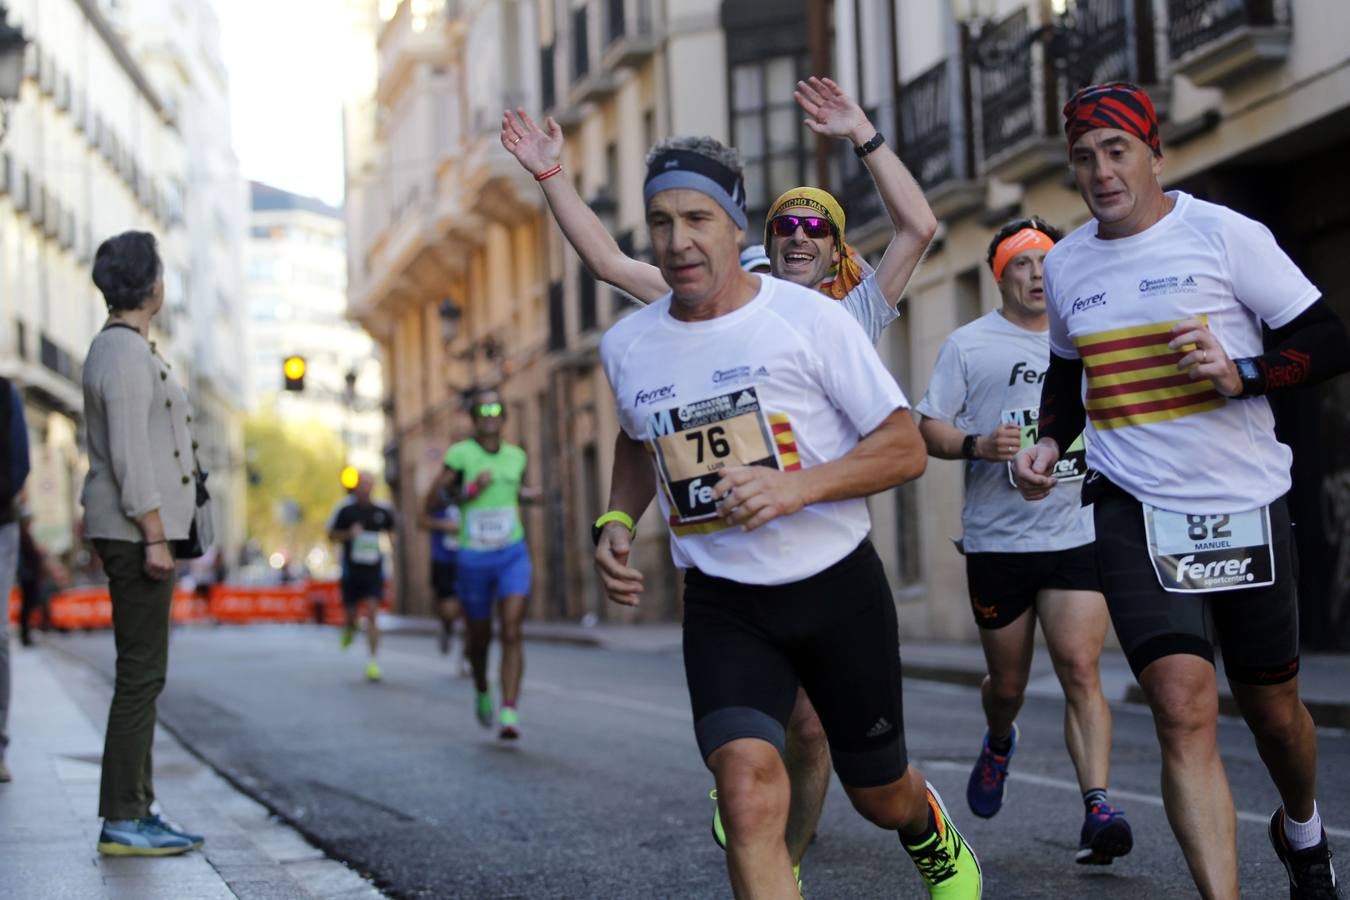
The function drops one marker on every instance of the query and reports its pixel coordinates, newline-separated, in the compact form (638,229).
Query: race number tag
(1196,554)
(694,441)
(366,548)
(489,529)
(1070,467)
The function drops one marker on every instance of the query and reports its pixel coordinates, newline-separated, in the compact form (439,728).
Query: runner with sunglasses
(1025,562)
(805,245)
(804,240)
(487,475)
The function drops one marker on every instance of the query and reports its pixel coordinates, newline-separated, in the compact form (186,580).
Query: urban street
(605,796)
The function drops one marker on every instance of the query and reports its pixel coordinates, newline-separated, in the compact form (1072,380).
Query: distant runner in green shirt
(487,475)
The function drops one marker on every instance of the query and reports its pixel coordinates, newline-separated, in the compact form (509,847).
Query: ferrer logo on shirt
(1089,302)
(666,392)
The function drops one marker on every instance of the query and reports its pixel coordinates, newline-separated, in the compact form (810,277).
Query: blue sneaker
(141,837)
(1105,836)
(168,825)
(988,780)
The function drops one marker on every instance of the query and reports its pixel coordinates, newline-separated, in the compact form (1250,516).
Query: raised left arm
(833,112)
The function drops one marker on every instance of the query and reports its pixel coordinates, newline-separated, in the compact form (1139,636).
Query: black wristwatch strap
(968,446)
(1252,374)
(877,140)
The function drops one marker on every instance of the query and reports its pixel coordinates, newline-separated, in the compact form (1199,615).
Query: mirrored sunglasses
(811,226)
(489,410)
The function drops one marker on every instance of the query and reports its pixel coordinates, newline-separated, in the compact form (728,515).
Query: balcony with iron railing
(935,137)
(1214,42)
(1023,71)
(630,33)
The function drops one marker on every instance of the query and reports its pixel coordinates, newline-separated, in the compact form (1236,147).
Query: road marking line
(669,712)
(1151,799)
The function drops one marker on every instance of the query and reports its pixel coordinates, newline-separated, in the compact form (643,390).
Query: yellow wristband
(616,515)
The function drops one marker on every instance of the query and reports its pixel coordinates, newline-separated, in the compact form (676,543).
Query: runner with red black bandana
(1155,309)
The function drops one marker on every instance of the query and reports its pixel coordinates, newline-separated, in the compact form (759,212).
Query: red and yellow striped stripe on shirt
(1133,378)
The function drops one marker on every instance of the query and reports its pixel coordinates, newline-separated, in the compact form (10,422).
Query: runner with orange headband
(1024,561)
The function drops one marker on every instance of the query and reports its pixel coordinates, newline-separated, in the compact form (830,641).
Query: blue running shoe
(1105,836)
(141,837)
(168,825)
(988,780)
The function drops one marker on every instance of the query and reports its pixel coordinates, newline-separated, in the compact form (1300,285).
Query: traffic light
(350,477)
(294,370)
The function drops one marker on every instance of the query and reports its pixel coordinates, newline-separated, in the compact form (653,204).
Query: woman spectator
(138,498)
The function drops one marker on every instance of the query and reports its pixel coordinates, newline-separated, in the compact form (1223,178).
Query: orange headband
(1013,244)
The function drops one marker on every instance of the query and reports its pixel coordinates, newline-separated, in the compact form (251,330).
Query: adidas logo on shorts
(880,728)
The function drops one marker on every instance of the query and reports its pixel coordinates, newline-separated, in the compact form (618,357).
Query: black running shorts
(362,584)
(1005,585)
(1256,629)
(747,647)
(443,580)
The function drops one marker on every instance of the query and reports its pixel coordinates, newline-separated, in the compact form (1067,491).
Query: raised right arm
(539,151)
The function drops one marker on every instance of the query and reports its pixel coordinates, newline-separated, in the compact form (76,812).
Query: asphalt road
(605,795)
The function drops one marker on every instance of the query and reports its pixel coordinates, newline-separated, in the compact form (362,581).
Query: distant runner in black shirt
(356,524)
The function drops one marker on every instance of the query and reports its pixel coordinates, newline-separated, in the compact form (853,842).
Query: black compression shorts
(443,579)
(1005,585)
(747,647)
(1256,628)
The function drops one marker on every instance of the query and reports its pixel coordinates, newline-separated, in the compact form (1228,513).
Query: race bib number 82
(694,441)
(1196,554)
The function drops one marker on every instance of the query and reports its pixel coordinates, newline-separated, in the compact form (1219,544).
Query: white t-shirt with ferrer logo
(989,372)
(1172,442)
(785,381)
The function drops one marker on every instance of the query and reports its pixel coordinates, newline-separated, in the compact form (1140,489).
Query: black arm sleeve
(1062,416)
(1310,349)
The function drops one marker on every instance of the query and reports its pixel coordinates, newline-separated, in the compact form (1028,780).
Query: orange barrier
(313,601)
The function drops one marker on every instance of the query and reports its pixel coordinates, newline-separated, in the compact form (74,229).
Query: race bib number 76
(693,442)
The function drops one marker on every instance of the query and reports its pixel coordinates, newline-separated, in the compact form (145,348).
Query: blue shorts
(487,575)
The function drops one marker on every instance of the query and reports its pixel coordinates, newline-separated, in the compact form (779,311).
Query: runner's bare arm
(892,454)
(631,490)
(528,494)
(833,112)
(945,440)
(445,485)
(539,150)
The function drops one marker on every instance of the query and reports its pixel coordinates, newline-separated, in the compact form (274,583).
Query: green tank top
(490,520)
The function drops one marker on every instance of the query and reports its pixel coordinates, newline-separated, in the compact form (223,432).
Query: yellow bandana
(847,273)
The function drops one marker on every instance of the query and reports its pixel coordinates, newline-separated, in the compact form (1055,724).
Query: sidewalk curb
(238,784)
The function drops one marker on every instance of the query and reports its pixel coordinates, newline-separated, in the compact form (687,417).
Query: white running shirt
(990,371)
(1175,443)
(786,381)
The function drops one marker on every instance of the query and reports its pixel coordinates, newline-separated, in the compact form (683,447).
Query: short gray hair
(703,145)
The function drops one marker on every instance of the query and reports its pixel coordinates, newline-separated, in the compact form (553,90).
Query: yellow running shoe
(372,671)
(719,836)
(945,860)
(348,632)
